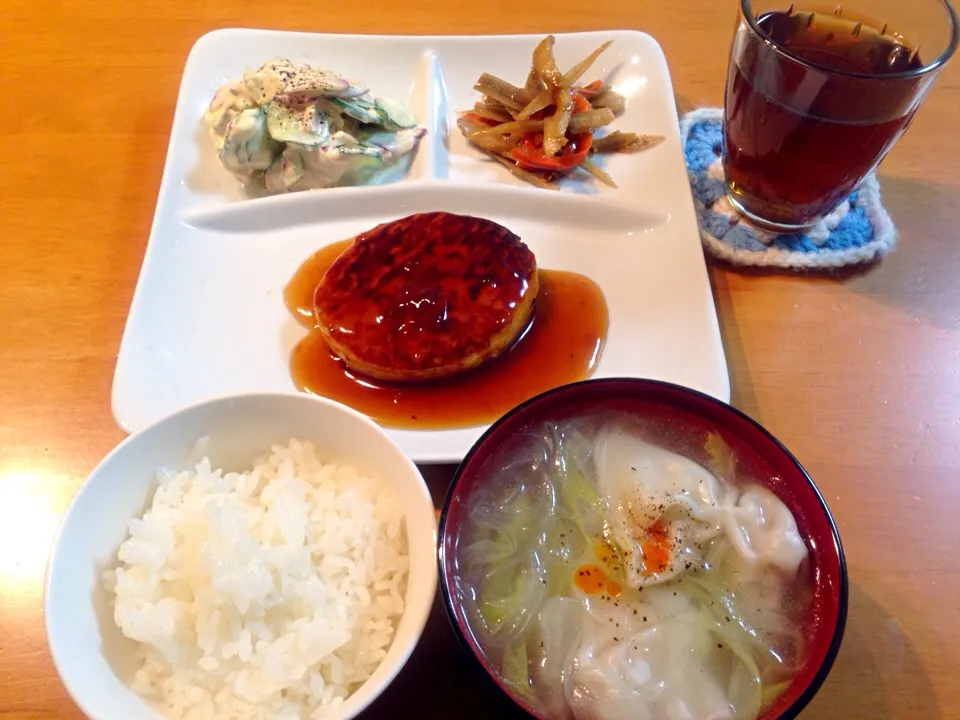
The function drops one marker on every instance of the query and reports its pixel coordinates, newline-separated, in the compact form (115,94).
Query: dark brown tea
(808,117)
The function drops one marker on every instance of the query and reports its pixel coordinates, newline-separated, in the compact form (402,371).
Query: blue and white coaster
(858,231)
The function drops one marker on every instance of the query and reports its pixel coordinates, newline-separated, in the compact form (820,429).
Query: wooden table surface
(857,375)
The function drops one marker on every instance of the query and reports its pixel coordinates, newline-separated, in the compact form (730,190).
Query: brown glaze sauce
(411,300)
(561,345)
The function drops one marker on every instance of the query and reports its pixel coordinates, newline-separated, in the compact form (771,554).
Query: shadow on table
(878,673)
(438,478)
(742,394)
(919,276)
(441,680)
(917,279)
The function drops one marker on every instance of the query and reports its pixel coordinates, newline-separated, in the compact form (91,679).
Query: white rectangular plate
(208,319)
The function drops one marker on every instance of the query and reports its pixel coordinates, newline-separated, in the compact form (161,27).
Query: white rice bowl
(272,593)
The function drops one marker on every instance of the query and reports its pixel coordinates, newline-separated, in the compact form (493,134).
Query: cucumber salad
(288,126)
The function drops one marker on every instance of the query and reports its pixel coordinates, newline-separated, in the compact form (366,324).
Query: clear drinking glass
(816,96)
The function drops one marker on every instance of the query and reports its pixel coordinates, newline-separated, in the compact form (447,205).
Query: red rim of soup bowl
(764,457)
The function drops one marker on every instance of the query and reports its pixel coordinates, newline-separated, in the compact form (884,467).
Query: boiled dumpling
(763,531)
(662,505)
(640,667)
(663,590)
(559,623)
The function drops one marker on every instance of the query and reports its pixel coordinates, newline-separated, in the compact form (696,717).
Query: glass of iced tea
(817,95)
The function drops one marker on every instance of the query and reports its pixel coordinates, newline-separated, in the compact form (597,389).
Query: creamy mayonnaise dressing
(289,126)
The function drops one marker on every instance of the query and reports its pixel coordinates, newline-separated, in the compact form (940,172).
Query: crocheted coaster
(858,231)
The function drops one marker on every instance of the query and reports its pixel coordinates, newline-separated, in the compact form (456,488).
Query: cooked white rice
(274,593)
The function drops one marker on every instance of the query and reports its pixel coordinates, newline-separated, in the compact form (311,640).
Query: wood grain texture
(857,375)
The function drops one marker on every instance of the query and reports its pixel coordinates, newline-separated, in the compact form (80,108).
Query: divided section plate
(208,319)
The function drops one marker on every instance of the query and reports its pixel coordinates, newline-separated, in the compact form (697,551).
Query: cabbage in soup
(604,576)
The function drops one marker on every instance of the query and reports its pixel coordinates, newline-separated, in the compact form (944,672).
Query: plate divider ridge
(433,108)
